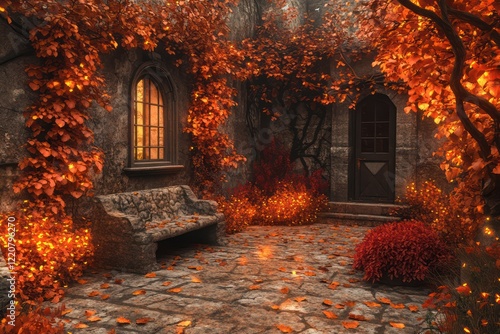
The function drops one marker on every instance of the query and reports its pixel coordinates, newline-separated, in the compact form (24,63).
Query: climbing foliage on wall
(69,39)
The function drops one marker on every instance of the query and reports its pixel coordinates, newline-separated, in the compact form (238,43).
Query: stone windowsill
(153,170)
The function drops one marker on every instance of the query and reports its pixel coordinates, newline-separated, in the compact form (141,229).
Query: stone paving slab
(297,277)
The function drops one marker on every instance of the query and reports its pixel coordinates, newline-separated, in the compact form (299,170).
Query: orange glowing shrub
(456,216)
(35,320)
(291,204)
(277,196)
(48,255)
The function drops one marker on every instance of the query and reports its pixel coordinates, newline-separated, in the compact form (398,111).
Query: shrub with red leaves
(408,251)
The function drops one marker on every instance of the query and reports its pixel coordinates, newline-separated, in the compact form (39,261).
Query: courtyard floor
(266,280)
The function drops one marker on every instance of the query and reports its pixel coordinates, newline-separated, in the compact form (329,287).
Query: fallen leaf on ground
(384,300)
(282,269)
(80,325)
(350,303)
(350,324)
(143,321)
(111,331)
(139,292)
(195,279)
(285,290)
(184,323)
(94,318)
(198,268)
(339,306)
(94,293)
(150,275)
(275,307)
(372,304)
(310,273)
(66,311)
(104,286)
(359,317)
(397,306)
(89,313)
(284,328)
(175,290)
(106,296)
(300,299)
(330,315)
(327,302)
(118,281)
(254,287)
(333,285)
(82,281)
(397,324)
(167,283)
(122,320)
(413,308)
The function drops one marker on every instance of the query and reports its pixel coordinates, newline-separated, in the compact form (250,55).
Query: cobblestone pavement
(266,280)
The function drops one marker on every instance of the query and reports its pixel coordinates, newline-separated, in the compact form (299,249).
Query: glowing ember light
(466,330)
(488,231)
(294,273)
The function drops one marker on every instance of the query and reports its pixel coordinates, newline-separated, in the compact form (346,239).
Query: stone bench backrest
(153,204)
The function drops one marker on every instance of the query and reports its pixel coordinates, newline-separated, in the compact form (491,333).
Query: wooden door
(375,134)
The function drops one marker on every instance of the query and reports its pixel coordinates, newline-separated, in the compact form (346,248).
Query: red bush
(404,250)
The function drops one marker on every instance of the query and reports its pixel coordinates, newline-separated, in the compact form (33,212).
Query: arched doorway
(374,139)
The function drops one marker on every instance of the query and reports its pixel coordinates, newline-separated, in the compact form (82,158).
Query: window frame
(159,76)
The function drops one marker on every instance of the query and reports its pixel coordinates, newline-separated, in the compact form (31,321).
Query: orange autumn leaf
(464,290)
(143,321)
(167,283)
(82,281)
(184,323)
(310,273)
(80,325)
(89,313)
(300,299)
(118,281)
(66,311)
(150,275)
(413,308)
(175,290)
(94,318)
(122,320)
(355,316)
(284,328)
(350,324)
(372,304)
(330,315)
(105,297)
(285,290)
(384,300)
(397,306)
(139,292)
(104,286)
(195,279)
(397,324)
(327,302)
(350,303)
(339,306)
(275,307)
(254,287)
(94,293)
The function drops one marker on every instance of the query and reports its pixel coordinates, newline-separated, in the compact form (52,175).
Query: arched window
(153,119)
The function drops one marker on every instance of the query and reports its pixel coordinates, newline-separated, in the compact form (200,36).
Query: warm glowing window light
(149,125)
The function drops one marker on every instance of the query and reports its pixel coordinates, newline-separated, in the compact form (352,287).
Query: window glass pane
(382,113)
(367,114)
(367,130)
(149,121)
(382,129)
(367,145)
(383,145)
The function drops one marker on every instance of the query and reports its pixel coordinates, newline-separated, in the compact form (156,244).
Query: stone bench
(128,226)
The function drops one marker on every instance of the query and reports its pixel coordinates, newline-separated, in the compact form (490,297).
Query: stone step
(355,219)
(374,209)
